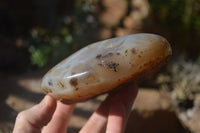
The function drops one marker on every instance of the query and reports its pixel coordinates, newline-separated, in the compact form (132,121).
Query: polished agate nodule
(102,66)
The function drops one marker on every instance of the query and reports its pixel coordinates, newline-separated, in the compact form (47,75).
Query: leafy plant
(47,46)
(180,21)
(178,15)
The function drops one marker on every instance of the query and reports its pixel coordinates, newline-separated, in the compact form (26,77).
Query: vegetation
(182,78)
(178,15)
(47,46)
(180,19)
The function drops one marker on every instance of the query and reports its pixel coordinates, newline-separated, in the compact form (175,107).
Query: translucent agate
(102,66)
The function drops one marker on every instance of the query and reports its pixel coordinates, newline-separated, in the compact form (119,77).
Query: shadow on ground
(159,121)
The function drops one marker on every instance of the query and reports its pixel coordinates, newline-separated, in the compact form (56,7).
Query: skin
(50,116)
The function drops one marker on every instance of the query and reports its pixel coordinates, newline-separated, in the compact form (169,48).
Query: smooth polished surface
(102,66)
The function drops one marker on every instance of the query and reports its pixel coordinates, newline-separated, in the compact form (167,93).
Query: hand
(50,116)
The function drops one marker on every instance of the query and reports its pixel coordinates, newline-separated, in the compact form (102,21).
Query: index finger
(60,119)
(120,108)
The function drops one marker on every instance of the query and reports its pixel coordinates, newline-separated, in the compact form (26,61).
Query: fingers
(60,119)
(113,113)
(98,120)
(96,124)
(120,109)
(33,119)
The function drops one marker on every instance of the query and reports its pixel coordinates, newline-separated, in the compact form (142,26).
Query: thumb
(33,119)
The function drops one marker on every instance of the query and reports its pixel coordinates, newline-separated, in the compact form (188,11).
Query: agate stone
(102,66)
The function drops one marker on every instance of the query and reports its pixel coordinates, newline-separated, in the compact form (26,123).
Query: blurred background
(37,34)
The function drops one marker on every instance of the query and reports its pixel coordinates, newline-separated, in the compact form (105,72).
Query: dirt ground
(151,112)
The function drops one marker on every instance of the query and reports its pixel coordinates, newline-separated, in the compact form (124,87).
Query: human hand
(50,116)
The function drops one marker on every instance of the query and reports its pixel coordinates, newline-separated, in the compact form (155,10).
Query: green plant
(178,15)
(47,46)
(179,20)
